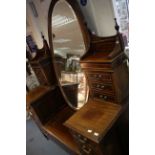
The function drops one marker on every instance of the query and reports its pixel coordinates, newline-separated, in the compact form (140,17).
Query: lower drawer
(107,88)
(104,97)
(99,76)
(86,150)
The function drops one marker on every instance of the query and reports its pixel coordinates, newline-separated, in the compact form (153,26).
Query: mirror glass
(68,47)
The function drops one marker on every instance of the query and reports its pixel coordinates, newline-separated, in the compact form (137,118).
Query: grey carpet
(37,144)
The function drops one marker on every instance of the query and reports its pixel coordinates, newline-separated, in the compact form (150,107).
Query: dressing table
(96,127)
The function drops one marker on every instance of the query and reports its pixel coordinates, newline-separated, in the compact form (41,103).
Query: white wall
(98,15)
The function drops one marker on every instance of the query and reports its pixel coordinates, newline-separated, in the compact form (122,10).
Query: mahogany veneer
(50,116)
(107,76)
(99,127)
(98,116)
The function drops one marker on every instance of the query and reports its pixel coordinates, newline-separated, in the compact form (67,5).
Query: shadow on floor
(37,144)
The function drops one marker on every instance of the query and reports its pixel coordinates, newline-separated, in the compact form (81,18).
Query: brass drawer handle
(82,141)
(105,97)
(98,86)
(102,86)
(86,150)
(101,96)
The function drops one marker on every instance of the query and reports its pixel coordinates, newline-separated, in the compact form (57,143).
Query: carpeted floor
(37,144)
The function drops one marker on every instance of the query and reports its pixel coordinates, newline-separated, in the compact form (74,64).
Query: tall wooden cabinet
(95,126)
(106,69)
(107,78)
(41,65)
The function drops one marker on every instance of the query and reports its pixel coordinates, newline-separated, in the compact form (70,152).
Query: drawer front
(99,76)
(104,97)
(85,146)
(79,138)
(103,87)
(86,150)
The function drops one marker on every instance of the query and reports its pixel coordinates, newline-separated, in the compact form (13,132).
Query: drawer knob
(105,97)
(101,96)
(98,86)
(100,76)
(86,150)
(102,86)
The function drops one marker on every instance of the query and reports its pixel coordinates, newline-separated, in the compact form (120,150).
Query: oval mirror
(69,44)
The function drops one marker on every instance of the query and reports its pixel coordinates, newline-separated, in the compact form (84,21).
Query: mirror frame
(84,31)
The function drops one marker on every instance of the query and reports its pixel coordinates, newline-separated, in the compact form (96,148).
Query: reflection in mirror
(68,47)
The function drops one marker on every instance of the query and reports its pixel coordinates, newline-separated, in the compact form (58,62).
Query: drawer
(86,150)
(104,97)
(86,146)
(79,138)
(83,143)
(99,76)
(104,87)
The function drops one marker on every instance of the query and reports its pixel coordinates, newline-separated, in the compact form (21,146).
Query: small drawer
(99,76)
(85,145)
(104,97)
(86,149)
(103,87)
(79,138)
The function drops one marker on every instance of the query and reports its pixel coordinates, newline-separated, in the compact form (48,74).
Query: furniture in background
(41,65)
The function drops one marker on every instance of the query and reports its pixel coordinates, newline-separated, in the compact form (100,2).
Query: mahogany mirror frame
(84,31)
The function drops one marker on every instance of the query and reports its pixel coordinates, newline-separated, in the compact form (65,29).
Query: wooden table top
(94,119)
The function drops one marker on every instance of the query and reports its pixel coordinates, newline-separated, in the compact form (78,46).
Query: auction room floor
(37,144)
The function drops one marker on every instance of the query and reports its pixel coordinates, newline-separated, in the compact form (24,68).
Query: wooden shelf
(55,129)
